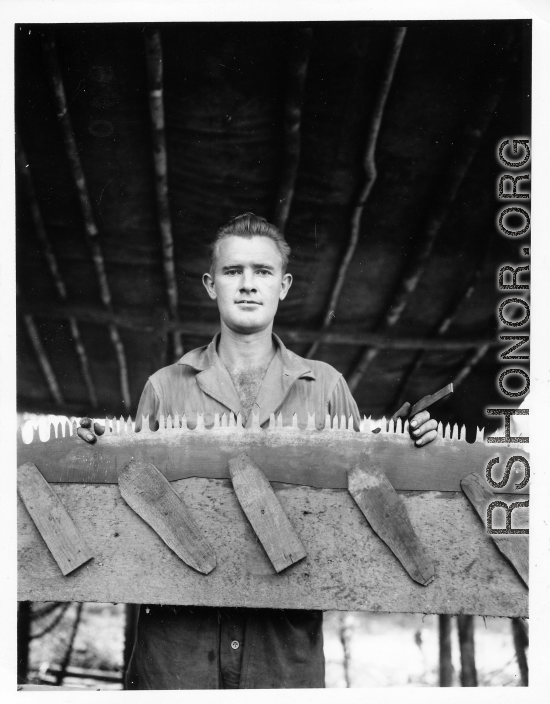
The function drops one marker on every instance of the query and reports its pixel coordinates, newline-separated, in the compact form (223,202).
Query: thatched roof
(258,117)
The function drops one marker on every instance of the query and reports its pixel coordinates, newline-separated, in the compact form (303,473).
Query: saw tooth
(255,424)
(440,429)
(224,420)
(200,422)
(311,421)
(343,422)
(294,420)
(406,427)
(456,432)
(51,435)
(129,425)
(327,421)
(122,426)
(463,432)
(448,431)
(280,420)
(231,420)
(479,435)
(145,429)
(365,424)
(383,425)
(176,421)
(216,420)
(350,424)
(272,421)
(169,425)
(239,421)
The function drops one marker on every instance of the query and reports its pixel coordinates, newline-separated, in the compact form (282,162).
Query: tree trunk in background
(468,674)
(130,633)
(445,659)
(23,640)
(521,643)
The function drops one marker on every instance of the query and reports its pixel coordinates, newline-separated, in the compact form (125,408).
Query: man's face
(248,282)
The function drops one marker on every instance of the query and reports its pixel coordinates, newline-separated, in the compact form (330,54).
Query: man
(244,369)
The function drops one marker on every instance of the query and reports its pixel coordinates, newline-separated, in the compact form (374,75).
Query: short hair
(249,225)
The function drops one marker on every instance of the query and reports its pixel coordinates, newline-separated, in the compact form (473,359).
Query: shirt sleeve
(342,403)
(149,404)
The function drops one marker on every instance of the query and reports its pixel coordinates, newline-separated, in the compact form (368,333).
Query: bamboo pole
(471,141)
(369,165)
(292,121)
(90,228)
(51,259)
(153,49)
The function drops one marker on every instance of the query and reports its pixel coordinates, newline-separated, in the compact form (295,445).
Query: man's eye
(232,272)
(264,272)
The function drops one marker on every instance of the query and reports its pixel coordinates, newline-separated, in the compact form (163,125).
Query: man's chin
(248,327)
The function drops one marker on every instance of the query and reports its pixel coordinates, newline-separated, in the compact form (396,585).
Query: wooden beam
(153,50)
(293,115)
(133,565)
(449,316)
(369,165)
(26,175)
(456,172)
(90,227)
(133,320)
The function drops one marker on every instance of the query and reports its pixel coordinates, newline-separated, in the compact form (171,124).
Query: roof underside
(256,115)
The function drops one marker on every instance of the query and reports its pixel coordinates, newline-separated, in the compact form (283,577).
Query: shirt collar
(205,357)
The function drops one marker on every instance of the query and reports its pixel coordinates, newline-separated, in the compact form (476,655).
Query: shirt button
(235,644)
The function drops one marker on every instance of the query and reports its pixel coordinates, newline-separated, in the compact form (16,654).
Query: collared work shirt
(189,647)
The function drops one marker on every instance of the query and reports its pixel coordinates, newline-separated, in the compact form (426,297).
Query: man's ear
(285,285)
(208,283)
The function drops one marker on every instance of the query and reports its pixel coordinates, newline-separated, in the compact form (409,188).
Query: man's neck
(241,352)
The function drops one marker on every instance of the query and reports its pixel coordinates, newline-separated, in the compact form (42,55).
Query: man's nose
(247,281)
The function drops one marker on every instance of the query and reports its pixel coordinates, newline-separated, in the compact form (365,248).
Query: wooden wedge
(150,495)
(515,548)
(51,519)
(265,513)
(386,513)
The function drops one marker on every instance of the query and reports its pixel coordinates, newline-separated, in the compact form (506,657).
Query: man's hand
(422,428)
(85,430)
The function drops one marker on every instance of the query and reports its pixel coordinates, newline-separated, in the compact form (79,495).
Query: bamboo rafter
(369,165)
(90,227)
(293,115)
(447,320)
(51,259)
(472,139)
(153,47)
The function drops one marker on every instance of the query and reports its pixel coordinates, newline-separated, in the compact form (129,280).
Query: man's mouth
(248,303)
